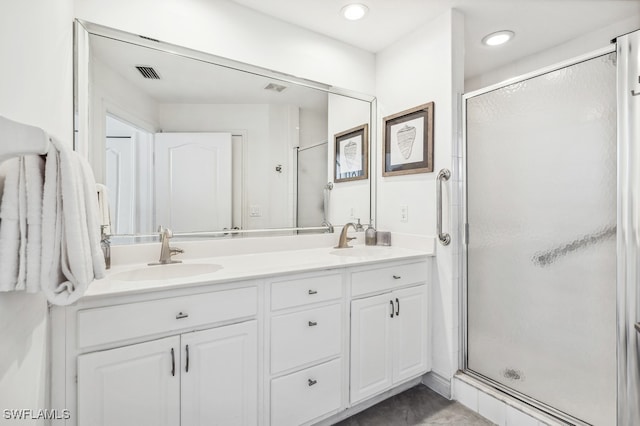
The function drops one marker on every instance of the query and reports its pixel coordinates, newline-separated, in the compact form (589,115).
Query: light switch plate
(255,211)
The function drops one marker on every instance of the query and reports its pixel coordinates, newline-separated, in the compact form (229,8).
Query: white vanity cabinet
(177,359)
(292,348)
(389,329)
(306,341)
(208,376)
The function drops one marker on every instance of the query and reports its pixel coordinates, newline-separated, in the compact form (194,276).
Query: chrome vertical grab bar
(443,175)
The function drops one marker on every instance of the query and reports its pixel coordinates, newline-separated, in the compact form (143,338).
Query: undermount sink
(357,251)
(166,272)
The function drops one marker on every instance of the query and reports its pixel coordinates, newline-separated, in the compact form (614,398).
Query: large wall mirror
(210,147)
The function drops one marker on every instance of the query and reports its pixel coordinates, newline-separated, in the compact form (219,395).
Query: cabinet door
(220,376)
(371,348)
(131,386)
(410,333)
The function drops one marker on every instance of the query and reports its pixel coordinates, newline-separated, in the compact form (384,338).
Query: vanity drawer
(304,337)
(306,395)
(389,277)
(302,291)
(122,322)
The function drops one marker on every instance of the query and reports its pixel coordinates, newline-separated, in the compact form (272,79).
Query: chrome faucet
(343,242)
(166,251)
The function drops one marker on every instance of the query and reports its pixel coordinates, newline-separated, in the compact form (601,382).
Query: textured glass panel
(541,163)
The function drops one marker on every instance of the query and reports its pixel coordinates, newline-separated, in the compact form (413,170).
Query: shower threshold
(531,407)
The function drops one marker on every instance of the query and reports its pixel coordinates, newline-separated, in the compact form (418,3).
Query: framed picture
(352,154)
(408,141)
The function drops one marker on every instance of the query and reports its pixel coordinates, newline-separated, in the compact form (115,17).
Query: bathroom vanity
(273,338)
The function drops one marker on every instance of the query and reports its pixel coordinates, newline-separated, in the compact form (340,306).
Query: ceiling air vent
(275,87)
(148,72)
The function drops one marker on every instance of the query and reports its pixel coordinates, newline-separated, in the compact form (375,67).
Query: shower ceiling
(538,24)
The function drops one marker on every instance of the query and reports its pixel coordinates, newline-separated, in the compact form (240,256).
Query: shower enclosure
(550,249)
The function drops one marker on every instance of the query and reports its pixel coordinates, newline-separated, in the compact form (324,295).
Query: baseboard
(438,384)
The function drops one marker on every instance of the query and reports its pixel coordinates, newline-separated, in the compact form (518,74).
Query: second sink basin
(166,272)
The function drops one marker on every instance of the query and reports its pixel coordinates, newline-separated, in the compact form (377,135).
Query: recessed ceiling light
(498,38)
(354,11)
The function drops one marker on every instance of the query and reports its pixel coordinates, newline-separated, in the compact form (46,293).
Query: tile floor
(417,406)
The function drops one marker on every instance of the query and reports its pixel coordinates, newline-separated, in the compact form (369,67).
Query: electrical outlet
(404,213)
(255,211)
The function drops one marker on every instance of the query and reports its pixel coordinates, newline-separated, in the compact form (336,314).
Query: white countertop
(251,266)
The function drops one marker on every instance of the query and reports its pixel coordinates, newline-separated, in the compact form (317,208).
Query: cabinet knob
(182,315)
(313,291)
(312,382)
(313,323)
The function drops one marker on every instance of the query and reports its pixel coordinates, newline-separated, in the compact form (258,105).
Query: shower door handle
(443,175)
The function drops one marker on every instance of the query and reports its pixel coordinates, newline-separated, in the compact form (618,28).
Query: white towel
(10,238)
(71,254)
(34,180)
(20,216)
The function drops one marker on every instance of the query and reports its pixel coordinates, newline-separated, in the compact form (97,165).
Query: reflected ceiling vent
(148,72)
(275,87)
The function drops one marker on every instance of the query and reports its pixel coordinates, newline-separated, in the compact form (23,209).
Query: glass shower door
(541,254)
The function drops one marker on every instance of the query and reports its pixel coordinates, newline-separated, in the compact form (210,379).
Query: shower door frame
(463,237)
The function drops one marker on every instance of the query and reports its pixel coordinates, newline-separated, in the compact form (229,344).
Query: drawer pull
(186,368)
(173,363)
(396,277)
(182,315)
(313,323)
(312,382)
(392,308)
(313,291)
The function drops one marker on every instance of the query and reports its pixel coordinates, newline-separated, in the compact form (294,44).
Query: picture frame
(351,149)
(408,141)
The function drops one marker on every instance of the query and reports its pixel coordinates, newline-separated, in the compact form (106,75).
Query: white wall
(227,29)
(584,44)
(36,39)
(426,66)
